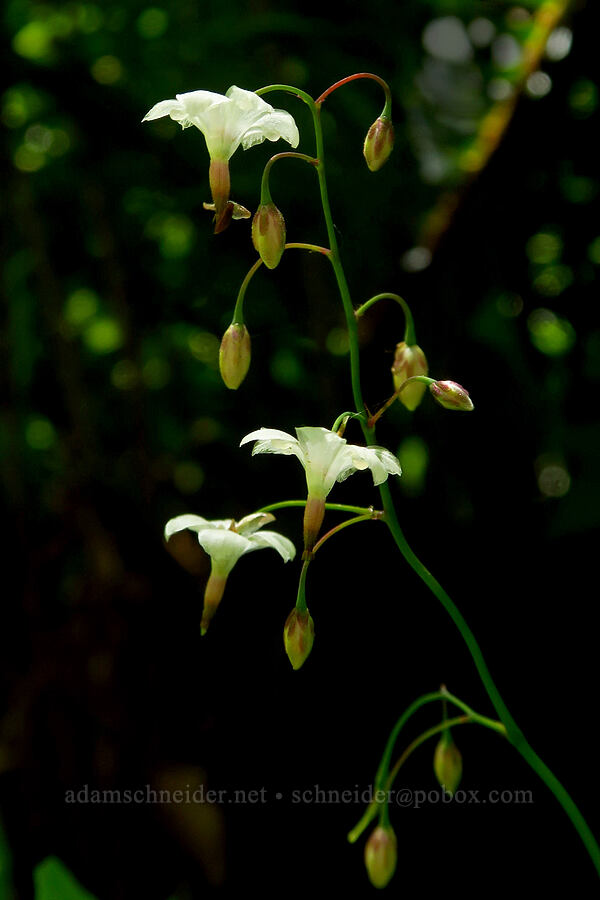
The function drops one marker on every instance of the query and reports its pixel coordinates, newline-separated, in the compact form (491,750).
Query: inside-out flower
(225,540)
(326,458)
(226,121)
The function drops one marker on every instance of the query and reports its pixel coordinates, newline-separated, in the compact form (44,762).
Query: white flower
(225,541)
(226,121)
(325,455)
(326,458)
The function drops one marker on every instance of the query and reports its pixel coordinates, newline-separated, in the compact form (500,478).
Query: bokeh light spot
(156,373)
(103,335)
(188,477)
(553,280)
(552,477)
(447,39)
(337,342)
(414,457)
(33,41)
(544,247)
(107,70)
(40,433)
(551,335)
(125,375)
(28,159)
(583,98)
(538,85)
(81,306)
(204,346)
(152,22)
(559,43)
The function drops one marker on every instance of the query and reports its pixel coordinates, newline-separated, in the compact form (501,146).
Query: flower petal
(250,524)
(271,440)
(278,124)
(194,523)
(164,108)
(224,548)
(381,462)
(278,542)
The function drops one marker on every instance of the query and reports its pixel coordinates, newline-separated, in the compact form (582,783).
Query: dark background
(114,419)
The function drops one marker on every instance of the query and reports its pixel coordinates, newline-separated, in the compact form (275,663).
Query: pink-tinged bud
(451,395)
(234,355)
(381,856)
(314,512)
(213,594)
(379,143)
(298,636)
(409,360)
(268,234)
(447,764)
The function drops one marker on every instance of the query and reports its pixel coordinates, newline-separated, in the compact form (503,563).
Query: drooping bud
(447,763)
(381,856)
(268,234)
(379,143)
(298,636)
(409,360)
(234,355)
(451,395)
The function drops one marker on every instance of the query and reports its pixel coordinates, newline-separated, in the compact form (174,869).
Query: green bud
(268,234)
(381,856)
(298,636)
(234,355)
(379,143)
(451,395)
(408,361)
(447,763)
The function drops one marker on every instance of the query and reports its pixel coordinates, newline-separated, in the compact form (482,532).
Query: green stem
(513,731)
(301,598)
(409,331)
(238,312)
(342,419)
(265,192)
(387,109)
(336,507)
(423,379)
(339,527)
(380,800)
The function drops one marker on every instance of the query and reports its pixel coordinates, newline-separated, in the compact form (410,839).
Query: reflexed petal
(278,542)
(248,101)
(164,108)
(279,124)
(271,440)
(224,547)
(381,462)
(250,524)
(194,523)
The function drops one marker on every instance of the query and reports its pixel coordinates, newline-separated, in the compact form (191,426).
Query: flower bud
(409,360)
(298,636)
(234,355)
(379,143)
(447,763)
(451,395)
(381,856)
(268,234)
